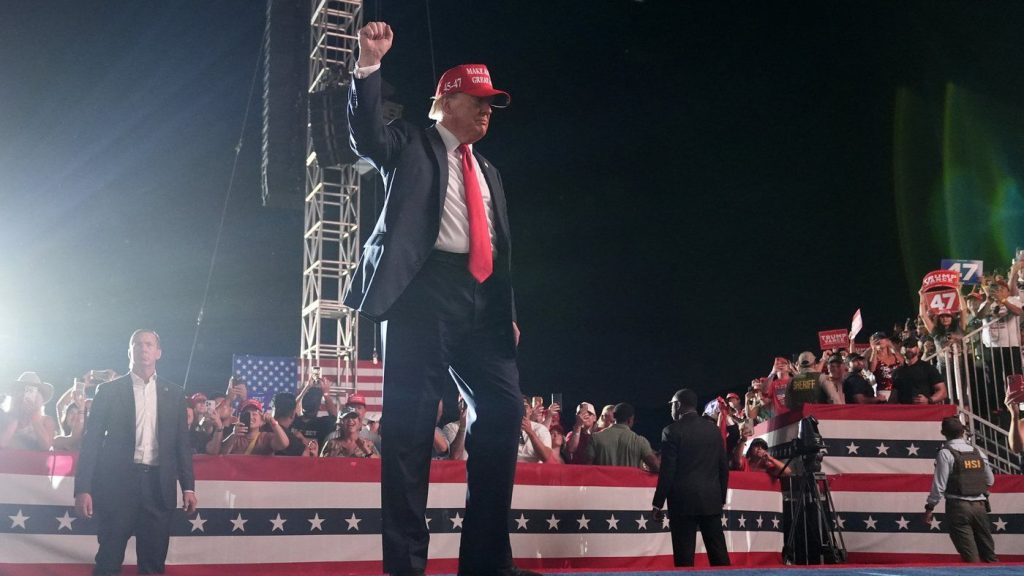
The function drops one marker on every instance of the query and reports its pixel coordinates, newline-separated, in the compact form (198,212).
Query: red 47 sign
(942,302)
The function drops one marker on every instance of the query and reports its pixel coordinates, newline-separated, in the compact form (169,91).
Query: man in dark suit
(135,452)
(436,272)
(694,479)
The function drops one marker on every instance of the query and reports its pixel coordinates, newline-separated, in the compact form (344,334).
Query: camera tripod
(813,537)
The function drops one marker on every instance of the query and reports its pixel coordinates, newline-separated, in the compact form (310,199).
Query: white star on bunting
(584,522)
(65,521)
(456,521)
(664,521)
(1000,524)
(316,522)
(553,522)
(912,450)
(427,519)
(198,523)
(840,521)
(613,523)
(935,524)
(725,521)
(238,523)
(882,449)
(870,523)
(903,523)
(641,522)
(19,520)
(278,523)
(353,522)
(521,522)
(775,522)
(743,521)
(760,521)
(852,448)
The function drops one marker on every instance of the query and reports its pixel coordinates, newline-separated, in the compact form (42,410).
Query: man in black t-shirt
(308,423)
(856,388)
(917,382)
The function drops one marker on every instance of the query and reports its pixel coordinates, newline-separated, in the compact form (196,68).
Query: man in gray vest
(964,477)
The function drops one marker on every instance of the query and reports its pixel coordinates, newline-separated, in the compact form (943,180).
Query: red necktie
(481,262)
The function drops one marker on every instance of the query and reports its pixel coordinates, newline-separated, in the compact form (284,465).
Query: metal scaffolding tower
(331,231)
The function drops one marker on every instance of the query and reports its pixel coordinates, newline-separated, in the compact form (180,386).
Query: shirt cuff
(364,71)
(187,491)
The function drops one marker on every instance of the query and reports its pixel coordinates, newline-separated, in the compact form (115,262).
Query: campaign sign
(829,339)
(940,279)
(970,271)
(942,302)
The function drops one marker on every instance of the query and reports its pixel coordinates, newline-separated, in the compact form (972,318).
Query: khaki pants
(969,529)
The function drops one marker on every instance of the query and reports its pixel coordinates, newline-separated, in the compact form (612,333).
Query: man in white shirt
(535,438)
(134,454)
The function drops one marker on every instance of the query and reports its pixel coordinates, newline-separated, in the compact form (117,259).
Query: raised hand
(374,42)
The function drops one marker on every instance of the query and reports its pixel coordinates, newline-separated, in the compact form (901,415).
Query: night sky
(694,187)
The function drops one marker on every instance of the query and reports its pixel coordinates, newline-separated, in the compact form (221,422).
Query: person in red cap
(436,271)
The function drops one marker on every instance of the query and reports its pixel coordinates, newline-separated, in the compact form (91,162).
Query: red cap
(356,399)
(472,79)
(251,403)
(197,398)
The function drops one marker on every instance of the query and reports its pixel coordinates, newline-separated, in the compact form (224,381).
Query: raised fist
(374,42)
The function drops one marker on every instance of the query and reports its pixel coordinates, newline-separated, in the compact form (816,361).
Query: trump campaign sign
(829,339)
(940,279)
(970,271)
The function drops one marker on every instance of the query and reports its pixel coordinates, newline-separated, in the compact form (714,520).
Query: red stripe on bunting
(865,412)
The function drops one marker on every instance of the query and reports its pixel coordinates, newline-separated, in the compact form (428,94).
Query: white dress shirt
(147,449)
(453,235)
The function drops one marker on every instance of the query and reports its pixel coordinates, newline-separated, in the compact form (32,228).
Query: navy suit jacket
(108,448)
(694,473)
(413,163)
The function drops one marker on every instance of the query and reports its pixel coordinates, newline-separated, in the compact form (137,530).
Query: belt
(146,468)
(461,258)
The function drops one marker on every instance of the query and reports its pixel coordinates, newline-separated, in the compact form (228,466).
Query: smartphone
(1014,384)
(556,398)
(538,401)
(211,405)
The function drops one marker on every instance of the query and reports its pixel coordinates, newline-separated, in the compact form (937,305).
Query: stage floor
(839,570)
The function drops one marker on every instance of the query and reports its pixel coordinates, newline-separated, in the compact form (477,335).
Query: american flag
(268,375)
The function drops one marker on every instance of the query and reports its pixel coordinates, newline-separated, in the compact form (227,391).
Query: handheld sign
(940,279)
(829,339)
(942,302)
(970,271)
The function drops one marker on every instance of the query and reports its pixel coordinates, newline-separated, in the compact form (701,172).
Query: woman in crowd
(23,425)
(883,358)
(348,444)
(943,328)
(557,442)
(607,418)
(255,433)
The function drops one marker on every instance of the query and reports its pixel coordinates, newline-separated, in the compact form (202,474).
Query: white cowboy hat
(28,379)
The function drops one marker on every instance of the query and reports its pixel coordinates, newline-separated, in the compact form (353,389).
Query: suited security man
(135,451)
(694,478)
(436,272)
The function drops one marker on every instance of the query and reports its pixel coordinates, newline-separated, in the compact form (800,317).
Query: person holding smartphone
(1013,401)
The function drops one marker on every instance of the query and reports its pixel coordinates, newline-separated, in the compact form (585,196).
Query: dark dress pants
(684,538)
(446,321)
(132,506)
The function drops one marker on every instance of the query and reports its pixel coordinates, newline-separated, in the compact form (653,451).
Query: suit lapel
(441,156)
(497,194)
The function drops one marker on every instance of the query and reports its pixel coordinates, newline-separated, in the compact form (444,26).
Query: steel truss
(331,244)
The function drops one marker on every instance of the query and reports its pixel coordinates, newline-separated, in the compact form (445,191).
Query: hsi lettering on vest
(967,477)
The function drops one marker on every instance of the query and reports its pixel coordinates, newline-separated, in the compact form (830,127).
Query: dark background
(695,187)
